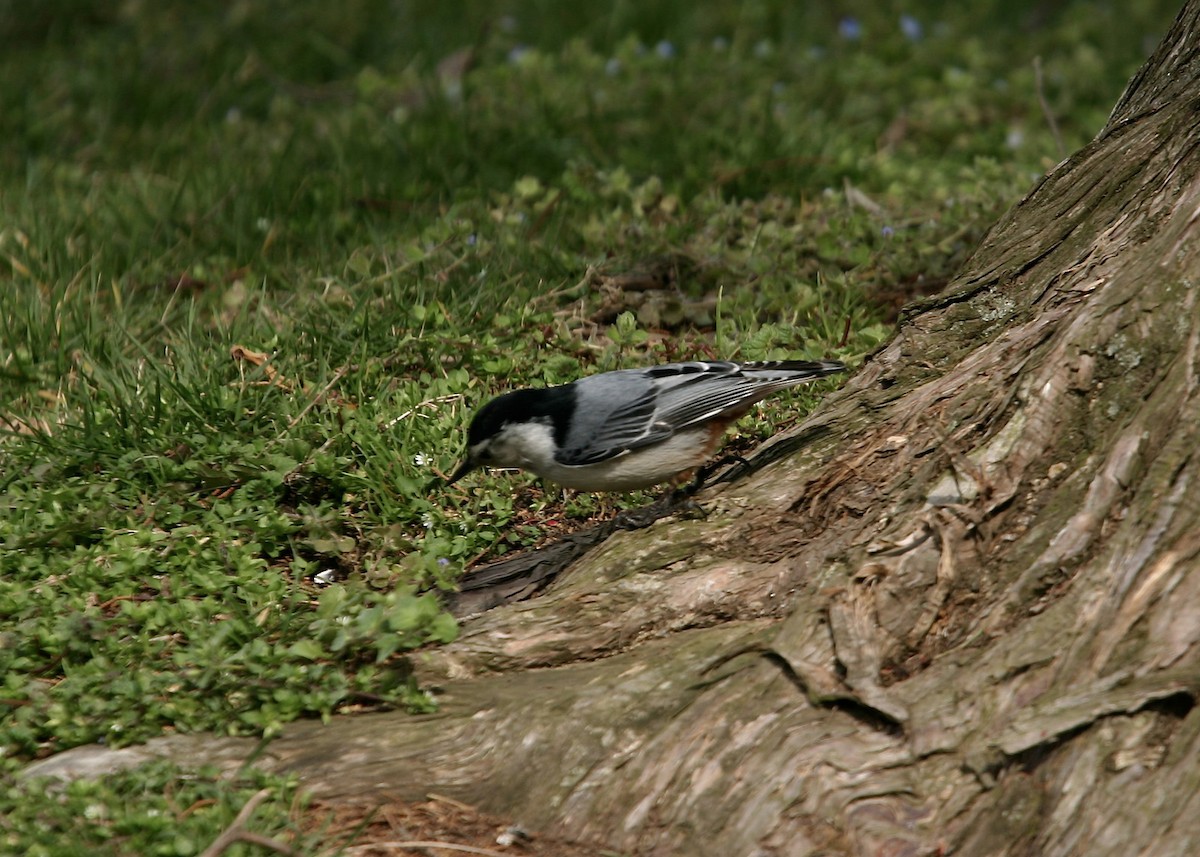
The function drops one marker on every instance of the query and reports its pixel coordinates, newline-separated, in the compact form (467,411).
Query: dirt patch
(438,827)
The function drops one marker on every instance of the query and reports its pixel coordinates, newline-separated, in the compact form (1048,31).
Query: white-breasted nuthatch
(628,429)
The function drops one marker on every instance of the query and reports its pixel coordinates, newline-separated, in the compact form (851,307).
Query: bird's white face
(528,445)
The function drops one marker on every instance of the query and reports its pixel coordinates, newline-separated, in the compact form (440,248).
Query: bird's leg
(682,497)
(679,498)
(703,473)
(636,519)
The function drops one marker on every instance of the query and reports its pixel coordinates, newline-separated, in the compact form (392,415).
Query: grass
(154,810)
(260,261)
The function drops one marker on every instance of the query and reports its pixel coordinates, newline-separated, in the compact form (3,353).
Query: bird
(630,428)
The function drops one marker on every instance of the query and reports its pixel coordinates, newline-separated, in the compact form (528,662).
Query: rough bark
(957,612)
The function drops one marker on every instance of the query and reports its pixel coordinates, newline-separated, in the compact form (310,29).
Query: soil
(438,827)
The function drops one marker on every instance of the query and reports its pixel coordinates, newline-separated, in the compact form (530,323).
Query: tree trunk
(957,611)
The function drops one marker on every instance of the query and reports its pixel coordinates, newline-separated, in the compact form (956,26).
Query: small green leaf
(444,629)
(307,649)
(527,187)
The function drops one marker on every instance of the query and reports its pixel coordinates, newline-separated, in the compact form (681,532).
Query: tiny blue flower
(472,239)
(850,29)
(911,28)
(443,562)
(613,67)
(887,232)
(665,49)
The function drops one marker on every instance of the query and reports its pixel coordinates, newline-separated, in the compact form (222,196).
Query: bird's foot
(705,472)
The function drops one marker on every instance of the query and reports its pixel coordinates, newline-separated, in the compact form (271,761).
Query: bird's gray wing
(621,411)
(712,398)
(612,422)
(720,389)
(625,410)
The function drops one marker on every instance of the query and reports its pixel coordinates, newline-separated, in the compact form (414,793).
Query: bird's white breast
(531,446)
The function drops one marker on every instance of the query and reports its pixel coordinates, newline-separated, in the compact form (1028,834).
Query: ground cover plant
(260,261)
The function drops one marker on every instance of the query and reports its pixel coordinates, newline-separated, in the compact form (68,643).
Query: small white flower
(324,578)
(421,459)
(427,521)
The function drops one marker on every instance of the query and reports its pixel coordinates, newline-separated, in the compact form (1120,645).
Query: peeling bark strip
(966,620)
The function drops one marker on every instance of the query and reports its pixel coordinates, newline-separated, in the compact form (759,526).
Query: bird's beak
(463,469)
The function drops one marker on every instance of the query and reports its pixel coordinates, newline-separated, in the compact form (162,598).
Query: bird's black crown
(551,404)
